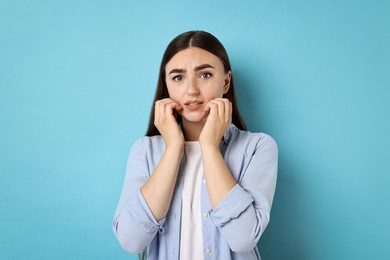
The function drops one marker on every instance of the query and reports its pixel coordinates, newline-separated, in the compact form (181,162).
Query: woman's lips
(193,105)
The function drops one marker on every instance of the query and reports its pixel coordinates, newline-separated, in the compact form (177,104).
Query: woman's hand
(219,180)
(165,113)
(158,189)
(218,120)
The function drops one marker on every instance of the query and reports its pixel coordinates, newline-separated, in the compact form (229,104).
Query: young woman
(198,185)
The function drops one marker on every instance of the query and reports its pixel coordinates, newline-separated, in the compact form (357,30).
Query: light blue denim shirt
(231,230)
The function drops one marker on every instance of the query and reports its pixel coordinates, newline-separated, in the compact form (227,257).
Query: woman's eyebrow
(177,71)
(203,66)
(197,68)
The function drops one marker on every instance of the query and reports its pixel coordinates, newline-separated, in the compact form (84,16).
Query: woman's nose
(192,87)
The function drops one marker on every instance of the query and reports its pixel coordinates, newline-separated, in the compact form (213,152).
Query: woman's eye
(177,78)
(205,75)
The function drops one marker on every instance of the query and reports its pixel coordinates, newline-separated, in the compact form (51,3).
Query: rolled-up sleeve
(134,224)
(232,206)
(244,213)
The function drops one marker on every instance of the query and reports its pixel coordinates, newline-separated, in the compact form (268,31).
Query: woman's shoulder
(154,143)
(155,139)
(260,138)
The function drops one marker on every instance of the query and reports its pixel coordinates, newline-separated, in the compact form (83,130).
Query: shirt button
(208,250)
(205,214)
(204,181)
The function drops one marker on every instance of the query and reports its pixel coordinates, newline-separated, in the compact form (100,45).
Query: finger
(220,106)
(160,108)
(228,111)
(207,107)
(172,106)
(213,108)
(171,101)
(157,110)
(178,107)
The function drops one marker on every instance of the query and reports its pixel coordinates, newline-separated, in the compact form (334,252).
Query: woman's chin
(195,117)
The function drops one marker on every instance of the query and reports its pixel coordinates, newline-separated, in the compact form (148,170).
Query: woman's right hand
(159,188)
(165,113)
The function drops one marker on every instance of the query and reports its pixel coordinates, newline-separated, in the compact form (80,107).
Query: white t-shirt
(191,240)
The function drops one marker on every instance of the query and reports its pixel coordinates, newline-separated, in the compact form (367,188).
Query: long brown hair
(208,42)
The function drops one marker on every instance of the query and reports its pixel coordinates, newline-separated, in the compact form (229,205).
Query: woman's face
(195,76)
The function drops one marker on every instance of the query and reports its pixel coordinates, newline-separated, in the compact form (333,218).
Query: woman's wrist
(209,147)
(175,147)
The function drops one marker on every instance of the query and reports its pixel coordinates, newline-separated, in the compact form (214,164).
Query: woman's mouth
(193,105)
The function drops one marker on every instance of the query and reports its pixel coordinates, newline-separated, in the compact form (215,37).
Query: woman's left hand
(218,120)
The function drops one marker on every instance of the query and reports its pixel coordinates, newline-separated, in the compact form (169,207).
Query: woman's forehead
(193,57)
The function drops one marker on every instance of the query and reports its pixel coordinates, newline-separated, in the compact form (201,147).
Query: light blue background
(77,81)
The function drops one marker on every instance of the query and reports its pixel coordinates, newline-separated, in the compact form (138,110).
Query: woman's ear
(226,86)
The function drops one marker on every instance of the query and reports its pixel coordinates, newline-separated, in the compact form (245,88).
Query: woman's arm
(134,224)
(219,180)
(244,213)
(158,190)
(241,211)
(218,177)
(145,201)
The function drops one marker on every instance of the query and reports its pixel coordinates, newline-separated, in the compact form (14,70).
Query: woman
(198,186)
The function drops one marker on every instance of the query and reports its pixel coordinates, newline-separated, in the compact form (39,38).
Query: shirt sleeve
(134,224)
(244,213)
